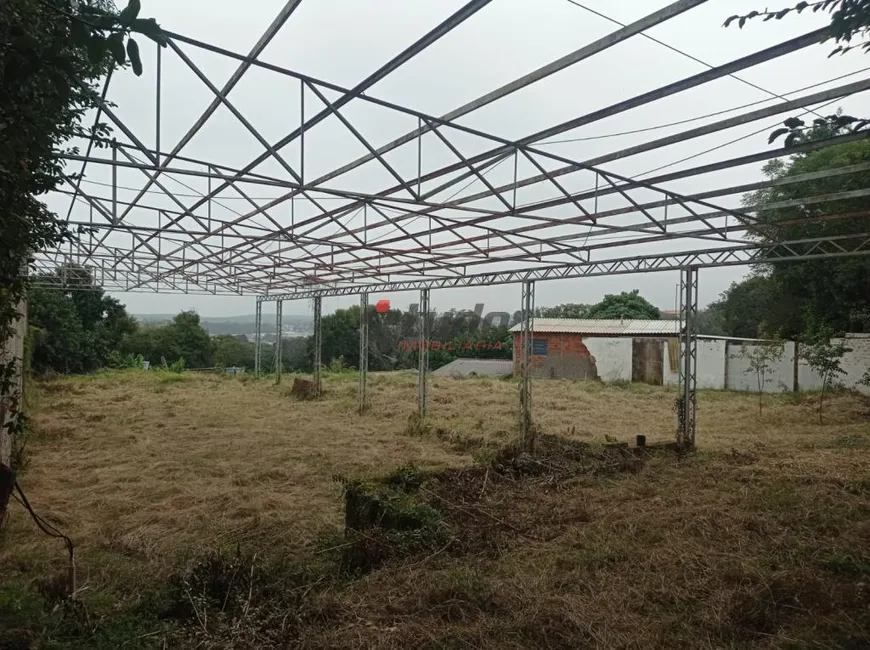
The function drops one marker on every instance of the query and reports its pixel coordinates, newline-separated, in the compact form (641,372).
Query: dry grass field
(206,513)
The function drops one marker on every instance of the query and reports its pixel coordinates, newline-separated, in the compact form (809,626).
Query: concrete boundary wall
(722,363)
(13,348)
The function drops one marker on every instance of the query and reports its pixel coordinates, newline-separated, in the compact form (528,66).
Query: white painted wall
(711,365)
(855,363)
(612,357)
(778,379)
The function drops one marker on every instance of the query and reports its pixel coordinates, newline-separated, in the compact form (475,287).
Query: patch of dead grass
(758,540)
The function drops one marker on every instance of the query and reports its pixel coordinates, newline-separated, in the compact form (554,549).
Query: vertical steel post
(363,351)
(527,440)
(318,342)
(419,156)
(668,200)
(157,112)
(258,320)
(516,169)
(595,209)
(687,402)
(208,204)
(302,131)
(279,335)
(114,182)
(423,360)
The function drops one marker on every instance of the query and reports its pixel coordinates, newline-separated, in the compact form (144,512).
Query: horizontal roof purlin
(601,326)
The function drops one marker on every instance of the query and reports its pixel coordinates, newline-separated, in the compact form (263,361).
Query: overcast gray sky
(342,41)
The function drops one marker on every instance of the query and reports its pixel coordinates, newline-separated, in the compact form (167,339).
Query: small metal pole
(419,155)
(516,166)
(318,342)
(159,240)
(302,131)
(159,90)
(526,348)
(667,201)
(208,207)
(258,320)
(423,360)
(595,209)
(363,351)
(279,335)
(114,182)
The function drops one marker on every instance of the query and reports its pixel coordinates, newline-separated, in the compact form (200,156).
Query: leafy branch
(798,131)
(848,19)
(102,32)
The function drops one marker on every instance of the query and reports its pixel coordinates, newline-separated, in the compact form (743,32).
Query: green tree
(830,293)
(53,52)
(566,310)
(759,298)
(183,338)
(626,305)
(849,19)
(77,324)
(824,356)
(230,351)
(762,356)
(58,337)
(193,342)
(711,321)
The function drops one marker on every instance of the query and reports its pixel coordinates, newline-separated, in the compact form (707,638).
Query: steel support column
(258,335)
(423,361)
(318,343)
(363,351)
(687,401)
(279,335)
(525,356)
(158,93)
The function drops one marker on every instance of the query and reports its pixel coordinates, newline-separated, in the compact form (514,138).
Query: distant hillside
(246,324)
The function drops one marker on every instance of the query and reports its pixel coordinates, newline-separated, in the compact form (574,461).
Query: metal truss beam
(270,33)
(330,253)
(557,245)
(463,14)
(816,248)
(751,60)
(705,169)
(586,52)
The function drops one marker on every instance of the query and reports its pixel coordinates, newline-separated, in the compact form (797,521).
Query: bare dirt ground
(761,539)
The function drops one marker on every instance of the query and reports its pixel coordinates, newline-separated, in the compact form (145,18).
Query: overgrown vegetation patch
(484,509)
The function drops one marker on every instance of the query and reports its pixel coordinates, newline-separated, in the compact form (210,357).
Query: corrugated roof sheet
(604,327)
(481,367)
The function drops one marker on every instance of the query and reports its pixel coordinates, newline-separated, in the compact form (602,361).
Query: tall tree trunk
(822,401)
